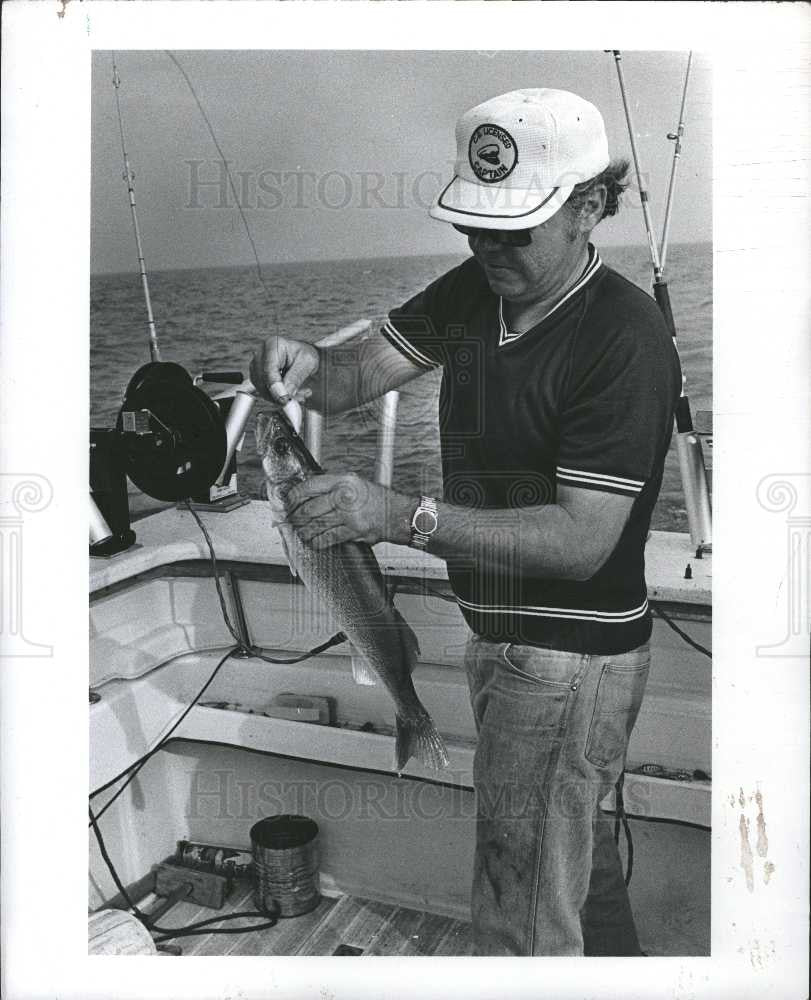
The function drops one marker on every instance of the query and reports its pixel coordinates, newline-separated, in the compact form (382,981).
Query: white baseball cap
(518,156)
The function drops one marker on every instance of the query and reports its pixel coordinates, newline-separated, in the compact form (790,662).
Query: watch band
(424,522)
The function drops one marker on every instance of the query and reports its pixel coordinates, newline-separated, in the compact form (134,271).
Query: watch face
(425,522)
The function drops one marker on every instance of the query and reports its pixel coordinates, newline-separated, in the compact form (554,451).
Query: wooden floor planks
(374,928)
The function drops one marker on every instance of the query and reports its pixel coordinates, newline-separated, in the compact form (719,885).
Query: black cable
(620,816)
(335,640)
(216,573)
(167,933)
(136,767)
(111,867)
(690,641)
(203,926)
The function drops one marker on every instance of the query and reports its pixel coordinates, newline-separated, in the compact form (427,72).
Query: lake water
(213,318)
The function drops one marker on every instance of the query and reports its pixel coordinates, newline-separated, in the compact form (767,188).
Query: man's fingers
(303,363)
(317,526)
(266,369)
(313,487)
(315,507)
(280,366)
(333,536)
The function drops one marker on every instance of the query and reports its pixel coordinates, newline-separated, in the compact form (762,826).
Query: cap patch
(492,153)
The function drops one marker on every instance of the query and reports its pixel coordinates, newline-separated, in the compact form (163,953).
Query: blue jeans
(553,731)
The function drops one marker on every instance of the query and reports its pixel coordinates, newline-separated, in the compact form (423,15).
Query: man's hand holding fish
(342,507)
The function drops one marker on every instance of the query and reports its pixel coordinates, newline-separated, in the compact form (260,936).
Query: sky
(339,153)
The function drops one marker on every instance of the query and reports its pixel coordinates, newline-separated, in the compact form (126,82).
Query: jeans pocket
(616,706)
(542,666)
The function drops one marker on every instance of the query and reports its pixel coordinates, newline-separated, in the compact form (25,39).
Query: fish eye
(280,446)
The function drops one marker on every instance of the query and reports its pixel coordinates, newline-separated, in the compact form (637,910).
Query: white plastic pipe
(99,528)
(696,491)
(245,397)
(384,464)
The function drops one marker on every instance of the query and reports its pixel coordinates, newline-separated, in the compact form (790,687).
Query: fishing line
(231,184)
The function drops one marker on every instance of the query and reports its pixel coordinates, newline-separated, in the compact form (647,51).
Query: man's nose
(484,240)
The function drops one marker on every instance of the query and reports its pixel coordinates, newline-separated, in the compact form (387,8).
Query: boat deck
(362,926)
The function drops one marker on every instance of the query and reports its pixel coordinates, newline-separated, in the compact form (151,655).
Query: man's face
(525,274)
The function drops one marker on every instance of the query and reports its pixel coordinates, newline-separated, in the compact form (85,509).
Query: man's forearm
(356,372)
(538,541)
(336,385)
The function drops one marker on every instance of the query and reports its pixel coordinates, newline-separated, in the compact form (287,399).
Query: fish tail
(418,737)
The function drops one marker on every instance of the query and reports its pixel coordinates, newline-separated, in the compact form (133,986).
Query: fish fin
(290,563)
(410,640)
(362,670)
(419,738)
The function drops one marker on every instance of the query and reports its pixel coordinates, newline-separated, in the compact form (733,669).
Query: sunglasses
(507,237)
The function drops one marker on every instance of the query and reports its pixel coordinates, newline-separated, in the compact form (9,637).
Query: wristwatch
(424,522)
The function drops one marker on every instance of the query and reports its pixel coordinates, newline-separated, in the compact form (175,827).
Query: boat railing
(387,418)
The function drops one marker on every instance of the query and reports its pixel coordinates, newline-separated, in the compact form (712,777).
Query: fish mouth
(261,432)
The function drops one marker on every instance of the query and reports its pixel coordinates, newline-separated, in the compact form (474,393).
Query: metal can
(230,861)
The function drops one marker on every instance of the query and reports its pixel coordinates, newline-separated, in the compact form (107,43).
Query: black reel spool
(173,435)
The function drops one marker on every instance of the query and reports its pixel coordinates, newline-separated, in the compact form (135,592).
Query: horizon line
(337,260)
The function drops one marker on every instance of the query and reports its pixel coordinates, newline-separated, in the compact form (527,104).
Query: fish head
(285,460)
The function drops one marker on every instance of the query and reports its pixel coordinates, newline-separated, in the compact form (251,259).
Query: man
(556,411)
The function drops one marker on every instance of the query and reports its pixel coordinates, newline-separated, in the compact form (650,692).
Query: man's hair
(614,178)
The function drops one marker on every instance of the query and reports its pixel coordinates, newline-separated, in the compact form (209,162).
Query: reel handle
(227,378)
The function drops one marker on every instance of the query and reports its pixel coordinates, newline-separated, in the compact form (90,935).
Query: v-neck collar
(591,268)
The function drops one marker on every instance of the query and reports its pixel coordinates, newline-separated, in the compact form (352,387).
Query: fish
(348,581)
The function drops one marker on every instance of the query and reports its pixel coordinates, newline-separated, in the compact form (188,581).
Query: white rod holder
(384,464)
(696,489)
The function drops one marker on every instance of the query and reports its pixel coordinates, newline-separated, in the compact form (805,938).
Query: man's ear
(593,207)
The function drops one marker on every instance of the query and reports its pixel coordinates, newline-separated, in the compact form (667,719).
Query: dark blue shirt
(585,398)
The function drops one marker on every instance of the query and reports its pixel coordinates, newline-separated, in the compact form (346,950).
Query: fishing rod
(688,446)
(129,178)
(171,439)
(675,138)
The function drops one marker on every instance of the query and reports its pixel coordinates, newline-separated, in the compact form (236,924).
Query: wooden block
(207,888)
(301,708)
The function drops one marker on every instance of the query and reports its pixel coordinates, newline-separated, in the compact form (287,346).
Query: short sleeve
(416,326)
(617,416)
